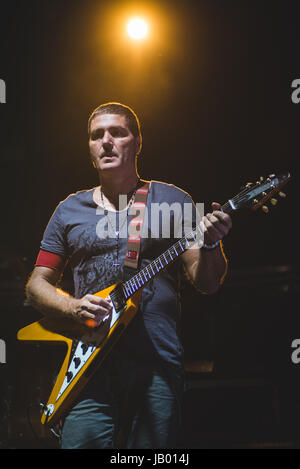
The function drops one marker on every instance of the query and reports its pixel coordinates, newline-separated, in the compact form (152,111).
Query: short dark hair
(118,108)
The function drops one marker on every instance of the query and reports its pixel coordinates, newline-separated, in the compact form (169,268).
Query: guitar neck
(139,280)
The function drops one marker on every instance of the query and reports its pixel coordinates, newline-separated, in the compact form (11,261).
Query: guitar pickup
(118,298)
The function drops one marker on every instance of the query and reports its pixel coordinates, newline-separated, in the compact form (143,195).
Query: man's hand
(215,225)
(90,310)
(43,294)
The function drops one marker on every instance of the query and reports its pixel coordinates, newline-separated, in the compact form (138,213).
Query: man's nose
(107,139)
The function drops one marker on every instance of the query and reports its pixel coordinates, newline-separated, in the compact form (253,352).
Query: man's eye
(116,132)
(97,134)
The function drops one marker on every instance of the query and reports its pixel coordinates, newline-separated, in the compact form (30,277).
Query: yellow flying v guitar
(88,347)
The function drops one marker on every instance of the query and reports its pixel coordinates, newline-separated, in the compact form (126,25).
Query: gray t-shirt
(78,231)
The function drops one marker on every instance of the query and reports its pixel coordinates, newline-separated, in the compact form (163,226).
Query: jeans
(127,404)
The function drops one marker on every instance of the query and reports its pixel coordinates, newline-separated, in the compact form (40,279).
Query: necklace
(117,232)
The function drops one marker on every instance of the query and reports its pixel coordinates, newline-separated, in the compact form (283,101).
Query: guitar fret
(148,271)
(169,252)
(141,279)
(127,294)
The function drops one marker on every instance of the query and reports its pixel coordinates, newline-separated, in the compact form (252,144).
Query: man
(134,398)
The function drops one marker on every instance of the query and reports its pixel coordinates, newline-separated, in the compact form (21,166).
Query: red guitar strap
(135,227)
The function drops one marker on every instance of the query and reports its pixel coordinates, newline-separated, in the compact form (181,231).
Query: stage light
(137,28)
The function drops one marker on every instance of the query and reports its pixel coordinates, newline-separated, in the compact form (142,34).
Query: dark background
(212,89)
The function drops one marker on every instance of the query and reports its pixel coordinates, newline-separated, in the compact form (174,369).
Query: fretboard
(152,269)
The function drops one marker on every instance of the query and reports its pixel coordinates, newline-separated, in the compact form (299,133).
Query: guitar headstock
(255,195)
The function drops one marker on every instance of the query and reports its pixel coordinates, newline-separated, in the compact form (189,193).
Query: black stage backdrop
(215,87)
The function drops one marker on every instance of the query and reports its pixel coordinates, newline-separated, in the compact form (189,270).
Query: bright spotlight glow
(137,28)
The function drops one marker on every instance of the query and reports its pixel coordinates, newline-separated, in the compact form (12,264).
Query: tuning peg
(282,194)
(246,186)
(265,209)
(273,201)
(261,178)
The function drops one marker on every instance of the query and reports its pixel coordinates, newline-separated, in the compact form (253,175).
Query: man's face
(112,145)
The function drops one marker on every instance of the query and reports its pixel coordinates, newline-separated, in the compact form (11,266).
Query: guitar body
(86,350)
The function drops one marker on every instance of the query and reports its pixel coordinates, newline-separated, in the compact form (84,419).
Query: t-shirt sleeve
(54,239)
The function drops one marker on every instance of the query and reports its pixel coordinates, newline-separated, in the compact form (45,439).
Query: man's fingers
(219,225)
(93,319)
(212,230)
(98,300)
(216,206)
(99,305)
(223,217)
(92,309)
